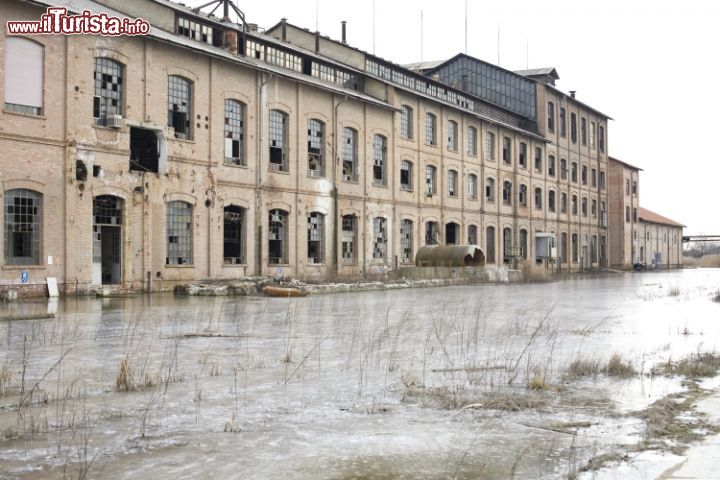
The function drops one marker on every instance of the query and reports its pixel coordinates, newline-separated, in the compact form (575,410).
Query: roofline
(557,90)
(461,54)
(668,221)
(220,53)
(633,167)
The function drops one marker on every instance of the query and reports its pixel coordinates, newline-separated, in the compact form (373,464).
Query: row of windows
(586,137)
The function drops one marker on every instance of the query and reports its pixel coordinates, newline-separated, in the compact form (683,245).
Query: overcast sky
(651,65)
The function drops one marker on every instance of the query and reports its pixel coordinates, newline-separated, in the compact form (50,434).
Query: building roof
(422,66)
(652,217)
(539,71)
(632,167)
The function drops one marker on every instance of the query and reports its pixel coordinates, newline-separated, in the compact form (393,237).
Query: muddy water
(427,383)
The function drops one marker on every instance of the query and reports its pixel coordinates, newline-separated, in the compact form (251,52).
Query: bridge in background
(701,238)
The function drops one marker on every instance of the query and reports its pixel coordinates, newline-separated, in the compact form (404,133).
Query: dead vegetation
(716,298)
(697,365)
(619,367)
(615,367)
(583,368)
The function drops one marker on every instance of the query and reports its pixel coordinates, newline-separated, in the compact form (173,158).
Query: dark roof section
(551,71)
(632,167)
(649,216)
(474,59)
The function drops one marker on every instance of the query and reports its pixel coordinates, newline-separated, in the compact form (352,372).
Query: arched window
(234,235)
(179,228)
(452,135)
(406,175)
(524,243)
(522,155)
(316,148)
(430,129)
(575,247)
(23,226)
(490,189)
(349,239)
(279,142)
(452,183)
(472,186)
(507,244)
(234,133)
(180,111)
(490,245)
(538,198)
(108,99)
(452,233)
(472,141)
(379,159)
(380,240)
(430,180)
(432,233)
(406,122)
(316,238)
(563,202)
(472,235)
(277,237)
(406,241)
(507,192)
(551,200)
(349,155)
(489,146)
(24,75)
(574,204)
(522,196)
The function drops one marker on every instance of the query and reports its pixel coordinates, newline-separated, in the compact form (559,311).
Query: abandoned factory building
(211,150)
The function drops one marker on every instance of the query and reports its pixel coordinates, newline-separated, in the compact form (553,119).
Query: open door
(107,240)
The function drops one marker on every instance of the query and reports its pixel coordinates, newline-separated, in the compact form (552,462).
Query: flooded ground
(456,382)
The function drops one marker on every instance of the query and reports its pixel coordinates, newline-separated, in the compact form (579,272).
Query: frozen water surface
(425,383)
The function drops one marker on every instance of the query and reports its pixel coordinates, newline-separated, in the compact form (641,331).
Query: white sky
(651,65)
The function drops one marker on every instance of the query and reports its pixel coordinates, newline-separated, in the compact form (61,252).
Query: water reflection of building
(638,235)
(207,150)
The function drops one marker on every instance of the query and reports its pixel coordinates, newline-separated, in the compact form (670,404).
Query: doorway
(107,240)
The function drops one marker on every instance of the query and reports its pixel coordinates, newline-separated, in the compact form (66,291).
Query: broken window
(24,75)
(179,228)
(522,155)
(563,126)
(316,148)
(379,252)
(601,138)
(563,202)
(472,141)
(592,135)
(507,192)
(432,230)
(349,239)
(196,31)
(574,204)
(490,245)
(573,127)
(23,216)
(563,169)
(634,187)
(452,233)
(593,208)
(472,186)
(523,243)
(406,241)
(277,237)
(234,133)
(452,135)
(349,154)
(180,106)
(430,180)
(551,200)
(406,125)
(551,116)
(538,198)
(278,141)
(81,171)
(538,159)
(583,130)
(430,129)
(489,146)
(107,101)
(144,150)
(316,238)
(522,196)
(551,165)
(574,172)
(379,159)
(584,175)
(507,244)
(506,151)
(452,183)
(490,189)
(472,235)
(406,175)
(233,235)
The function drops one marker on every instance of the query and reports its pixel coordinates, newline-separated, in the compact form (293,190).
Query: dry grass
(695,366)
(673,292)
(619,367)
(5,379)
(509,402)
(583,368)
(706,261)
(124,381)
(716,298)
(536,384)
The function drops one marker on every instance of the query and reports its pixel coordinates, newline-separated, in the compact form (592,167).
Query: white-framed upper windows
(430,129)
(349,155)
(452,135)
(180,106)
(234,133)
(472,141)
(278,141)
(108,98)
(406,122)
(24,75)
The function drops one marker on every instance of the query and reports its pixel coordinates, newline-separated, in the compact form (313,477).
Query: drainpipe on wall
(261,100)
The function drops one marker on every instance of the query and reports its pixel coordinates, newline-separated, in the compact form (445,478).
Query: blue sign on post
(24,276)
